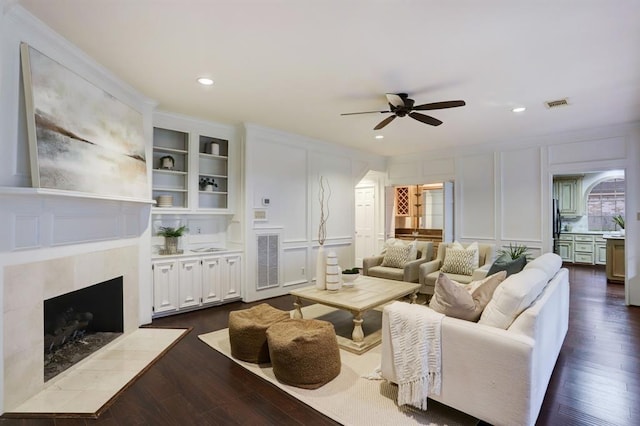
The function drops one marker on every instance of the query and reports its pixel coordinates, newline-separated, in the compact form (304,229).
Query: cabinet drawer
(583,247)
(565,237)
(583,258)
(583,238)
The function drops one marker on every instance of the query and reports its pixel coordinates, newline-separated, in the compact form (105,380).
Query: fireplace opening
(79,323)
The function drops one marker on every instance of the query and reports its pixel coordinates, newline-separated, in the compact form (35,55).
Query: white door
(365,220)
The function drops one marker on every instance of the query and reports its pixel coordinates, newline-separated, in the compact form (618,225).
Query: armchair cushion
(464,301)
(396,256)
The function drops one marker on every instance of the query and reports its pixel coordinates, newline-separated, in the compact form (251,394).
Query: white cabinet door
(190,283)
(165,286)
(601,253)
(211,279)
(231,277)
(565,250)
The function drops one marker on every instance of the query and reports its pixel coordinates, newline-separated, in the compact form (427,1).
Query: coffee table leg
(297,303)
(414,297)
(358,334)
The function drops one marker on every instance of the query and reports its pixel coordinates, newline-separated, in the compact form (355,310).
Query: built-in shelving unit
(192,166)
(171,167)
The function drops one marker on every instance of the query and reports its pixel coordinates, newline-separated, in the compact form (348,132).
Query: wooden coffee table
(366,294)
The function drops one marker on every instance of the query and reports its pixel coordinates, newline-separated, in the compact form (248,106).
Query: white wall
(39,224)
(503,192)
(285,168)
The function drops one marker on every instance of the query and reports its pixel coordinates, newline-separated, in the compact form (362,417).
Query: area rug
(350,398)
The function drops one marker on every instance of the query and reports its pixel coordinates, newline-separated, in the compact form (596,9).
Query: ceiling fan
(400,105)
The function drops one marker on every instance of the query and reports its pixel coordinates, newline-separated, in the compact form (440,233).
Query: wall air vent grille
(557,103)
(268,260)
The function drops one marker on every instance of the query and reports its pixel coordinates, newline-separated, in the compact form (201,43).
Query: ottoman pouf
(304,352)
(247,329)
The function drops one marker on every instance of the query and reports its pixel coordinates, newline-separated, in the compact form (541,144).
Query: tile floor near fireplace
(87,386)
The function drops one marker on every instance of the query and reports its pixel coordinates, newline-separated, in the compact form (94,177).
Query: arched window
(605,200)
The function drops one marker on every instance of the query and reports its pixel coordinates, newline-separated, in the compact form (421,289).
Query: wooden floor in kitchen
(596,380)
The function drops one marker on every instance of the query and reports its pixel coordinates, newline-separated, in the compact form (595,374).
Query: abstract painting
(81,138)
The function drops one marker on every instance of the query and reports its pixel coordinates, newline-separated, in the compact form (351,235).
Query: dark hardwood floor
(596,380)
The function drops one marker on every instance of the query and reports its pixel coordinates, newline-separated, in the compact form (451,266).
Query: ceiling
(296,65)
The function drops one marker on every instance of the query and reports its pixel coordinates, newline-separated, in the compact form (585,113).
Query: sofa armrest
(428,267)
(370,262)
(412,270)
(480,272)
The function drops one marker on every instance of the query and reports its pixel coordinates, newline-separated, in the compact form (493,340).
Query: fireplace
(26,288)
(78,323)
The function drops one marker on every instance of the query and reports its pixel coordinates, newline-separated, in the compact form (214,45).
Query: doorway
(589,210)
(365,223)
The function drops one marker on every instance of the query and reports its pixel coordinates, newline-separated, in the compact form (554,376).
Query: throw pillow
(396,256)
(511,266)
(464,301)
(388,243)
(461,262)
(413,250)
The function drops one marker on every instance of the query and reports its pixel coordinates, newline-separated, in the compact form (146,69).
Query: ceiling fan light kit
(400,105)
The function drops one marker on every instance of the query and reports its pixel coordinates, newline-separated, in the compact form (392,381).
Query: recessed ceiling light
(205,81)
(519,109)
(379,137)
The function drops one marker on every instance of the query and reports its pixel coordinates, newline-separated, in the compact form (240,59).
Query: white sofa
(495,374)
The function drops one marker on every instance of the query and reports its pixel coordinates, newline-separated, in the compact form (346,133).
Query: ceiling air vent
(557,103)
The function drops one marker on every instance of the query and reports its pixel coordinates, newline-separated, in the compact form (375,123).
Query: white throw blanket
(415,338)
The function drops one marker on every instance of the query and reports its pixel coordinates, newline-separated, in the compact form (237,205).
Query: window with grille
(605,201)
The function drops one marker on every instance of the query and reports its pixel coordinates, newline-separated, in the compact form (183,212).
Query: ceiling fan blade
(439,105)
(384,122)
(365,112)
(395,100)
(425,118)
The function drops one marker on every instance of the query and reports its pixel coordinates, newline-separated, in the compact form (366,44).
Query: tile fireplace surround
(27,285)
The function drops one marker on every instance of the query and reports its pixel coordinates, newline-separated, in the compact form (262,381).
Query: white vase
(321,262)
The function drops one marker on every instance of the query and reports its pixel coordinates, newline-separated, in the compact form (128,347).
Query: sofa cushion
(511,266)
(549,263)
(396,256)
(458,261)
(464,301)
(513,296)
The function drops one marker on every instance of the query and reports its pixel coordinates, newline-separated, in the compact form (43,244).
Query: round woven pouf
(247,331)
(304,352)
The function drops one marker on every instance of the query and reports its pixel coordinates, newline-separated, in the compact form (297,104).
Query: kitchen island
(615,257)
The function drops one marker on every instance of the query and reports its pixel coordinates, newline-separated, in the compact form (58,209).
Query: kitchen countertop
(200,251)
(584,232)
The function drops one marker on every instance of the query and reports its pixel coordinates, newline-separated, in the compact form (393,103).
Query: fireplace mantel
(37,218)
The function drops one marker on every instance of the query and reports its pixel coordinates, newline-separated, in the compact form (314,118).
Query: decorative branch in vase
(323,191)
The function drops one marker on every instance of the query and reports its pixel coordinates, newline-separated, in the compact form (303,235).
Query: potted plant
(619,220)
(350,275)
(514,251)
(171,236)
(207,184)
